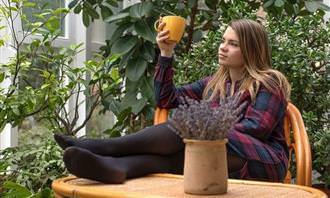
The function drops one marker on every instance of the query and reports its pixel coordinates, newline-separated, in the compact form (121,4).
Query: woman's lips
(222,56)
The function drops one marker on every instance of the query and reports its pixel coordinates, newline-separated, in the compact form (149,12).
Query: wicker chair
(296,138)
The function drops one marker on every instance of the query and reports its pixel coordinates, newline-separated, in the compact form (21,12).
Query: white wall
(8,136)
(327,16)
(78,34)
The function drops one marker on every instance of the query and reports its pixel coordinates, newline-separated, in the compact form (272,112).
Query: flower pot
(205,167)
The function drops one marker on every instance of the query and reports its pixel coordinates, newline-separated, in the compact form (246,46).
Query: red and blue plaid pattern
(258,137)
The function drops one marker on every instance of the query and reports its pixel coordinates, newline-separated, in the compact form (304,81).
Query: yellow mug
(175,25)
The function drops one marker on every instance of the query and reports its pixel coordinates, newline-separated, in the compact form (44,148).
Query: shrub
(34,166)
(322,156)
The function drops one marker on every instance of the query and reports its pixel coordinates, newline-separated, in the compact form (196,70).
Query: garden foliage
(121,76)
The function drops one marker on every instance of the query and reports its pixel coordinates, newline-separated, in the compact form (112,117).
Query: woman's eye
(234,44)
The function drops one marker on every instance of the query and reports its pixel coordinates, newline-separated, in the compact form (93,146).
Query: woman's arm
(167,95)
(262,117)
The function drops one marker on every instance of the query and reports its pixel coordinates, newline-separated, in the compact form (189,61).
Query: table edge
(60,187)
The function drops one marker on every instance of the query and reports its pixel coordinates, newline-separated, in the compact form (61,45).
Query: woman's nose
(223,47)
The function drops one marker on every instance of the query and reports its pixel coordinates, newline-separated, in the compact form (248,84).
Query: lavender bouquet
(200,121)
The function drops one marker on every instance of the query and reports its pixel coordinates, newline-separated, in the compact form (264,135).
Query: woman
(256,144)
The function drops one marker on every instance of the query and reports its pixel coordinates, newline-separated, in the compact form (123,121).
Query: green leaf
(77,9)
(116,17)
(312,6)
(147,8)
(90,10)
(2,42)
(29,4)
(197,35)
(115,107)
(113,3)
(119,31)
(135,11)
(44,86)
(105,11)
(112,132)
(304,13)
(135,68)
(2,77)
(85,18)
(296,8)
(53,23)
(268,3)
(60,11)
(16,111)
(73,3)
(289,9)
(147,88)
(16,190)
(180,6)
(11,8)
(139,105)
(212,4)
(114,73)
(43,193)
(131,86)
(124,59)
(130,100)
(145,31)
(279,3)
(140,10)
(148,51)
(113,59)
(191,3)
(124,44)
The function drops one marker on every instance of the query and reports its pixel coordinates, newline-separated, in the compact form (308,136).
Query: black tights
(155,149)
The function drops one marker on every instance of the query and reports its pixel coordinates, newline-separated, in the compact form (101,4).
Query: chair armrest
(161,115)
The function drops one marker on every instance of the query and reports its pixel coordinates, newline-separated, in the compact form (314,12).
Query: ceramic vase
(205,167)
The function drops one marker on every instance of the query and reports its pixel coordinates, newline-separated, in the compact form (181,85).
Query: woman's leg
(86,164)
(235,163)
(157,139)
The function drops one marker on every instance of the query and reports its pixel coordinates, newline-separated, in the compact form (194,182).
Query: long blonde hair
(255,49)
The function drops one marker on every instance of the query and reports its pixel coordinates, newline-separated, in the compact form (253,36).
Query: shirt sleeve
(167,95)
(262,117)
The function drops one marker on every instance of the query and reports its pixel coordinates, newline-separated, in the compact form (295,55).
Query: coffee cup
(175,25)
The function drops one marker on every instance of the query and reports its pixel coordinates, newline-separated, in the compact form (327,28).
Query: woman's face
(230,54)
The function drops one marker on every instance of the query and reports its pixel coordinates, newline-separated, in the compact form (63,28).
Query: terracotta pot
(205,167)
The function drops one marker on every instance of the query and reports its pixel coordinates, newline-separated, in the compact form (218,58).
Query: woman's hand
(166,47)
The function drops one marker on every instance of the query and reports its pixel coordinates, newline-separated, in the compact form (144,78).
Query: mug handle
(157,23)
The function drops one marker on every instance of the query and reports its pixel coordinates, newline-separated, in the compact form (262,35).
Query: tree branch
(191,26)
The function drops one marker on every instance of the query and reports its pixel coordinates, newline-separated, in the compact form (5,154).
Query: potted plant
(204,125)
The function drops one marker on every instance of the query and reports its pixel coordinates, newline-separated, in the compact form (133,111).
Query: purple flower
(199,120)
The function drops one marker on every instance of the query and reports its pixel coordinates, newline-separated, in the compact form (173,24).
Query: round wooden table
(168,185)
